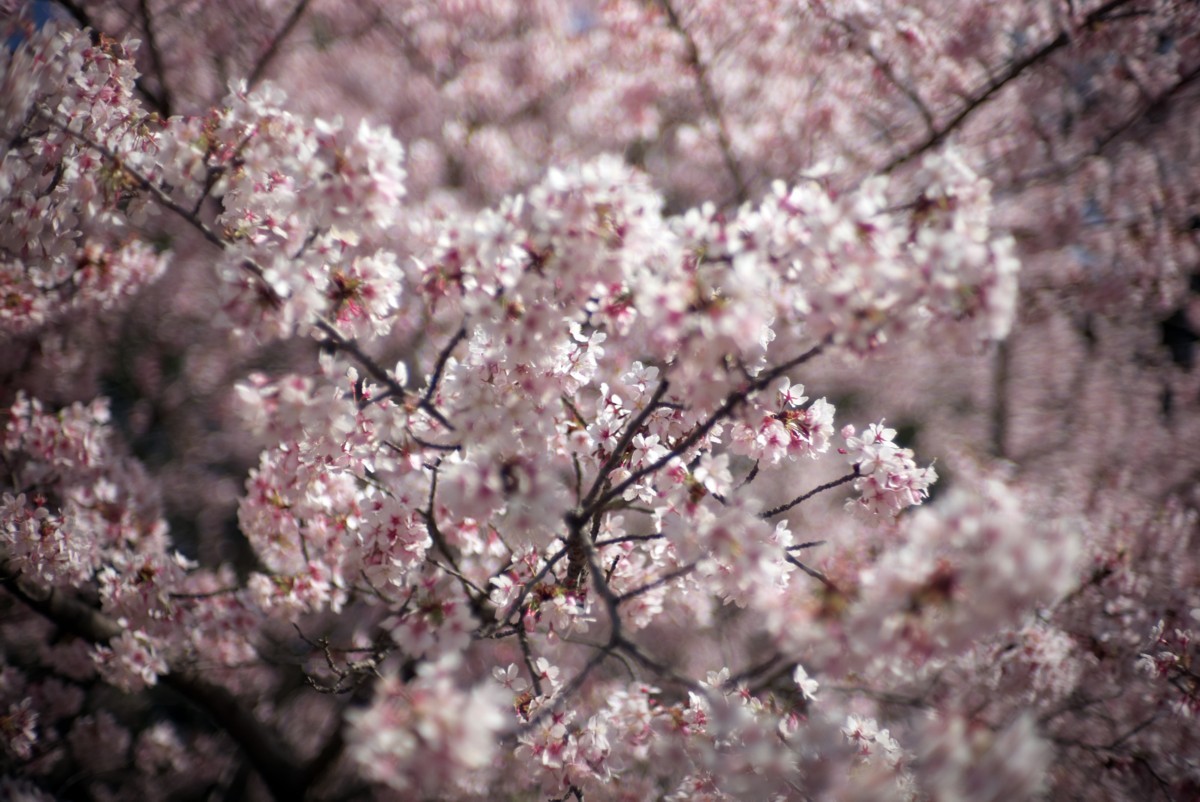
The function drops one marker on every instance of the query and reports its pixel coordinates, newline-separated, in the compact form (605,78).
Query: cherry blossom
(467,400)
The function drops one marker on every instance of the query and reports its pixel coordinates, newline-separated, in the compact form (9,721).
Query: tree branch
(160,195)
(156,101)
(725,410)
(814,573)
(272,50)
(1002,362)
(670,576)
(985,93)
(440,365)
(771,513)
(264,748)
(631,431)
(711,105)
(377,372)
(156,61)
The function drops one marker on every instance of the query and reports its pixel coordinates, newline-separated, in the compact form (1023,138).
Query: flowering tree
(565,450)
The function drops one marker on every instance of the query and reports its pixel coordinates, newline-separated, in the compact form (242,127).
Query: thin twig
(85,21)
(725,410)
(566,692)
(750,477)
(612,541)
(886,70)
(431,526)
(614,459)
(523,639)
(272,50)
(377,372)
(771,513)
(159,194)
(670,576)
(156,61)
(711,104)
(528,587)
(807,545)
(982,95)
(440,365)
(814,573)
(1065,170)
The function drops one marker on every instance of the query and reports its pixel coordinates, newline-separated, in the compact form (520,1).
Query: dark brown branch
(160,195)
(882,696)
(573,791)
(985,93)
(266,751)
(77,12)
(272,50)
(440,365)
(528,587)
(377,372)
(477,597)
(614,459)
(612,541)
(426,444)
(272,759)
(807,545)
(206,595)
(670,576)
(68,614)
(327,758)
(771,513)
(600,582)
(721,413)
(156,62)
(663,670)
(1002,362)
(527,655)
(814,573)
(711,105)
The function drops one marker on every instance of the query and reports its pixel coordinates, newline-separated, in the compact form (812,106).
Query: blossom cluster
(538,449)
(428,735)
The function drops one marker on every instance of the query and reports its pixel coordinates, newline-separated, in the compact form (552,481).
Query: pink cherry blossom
(443,400)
